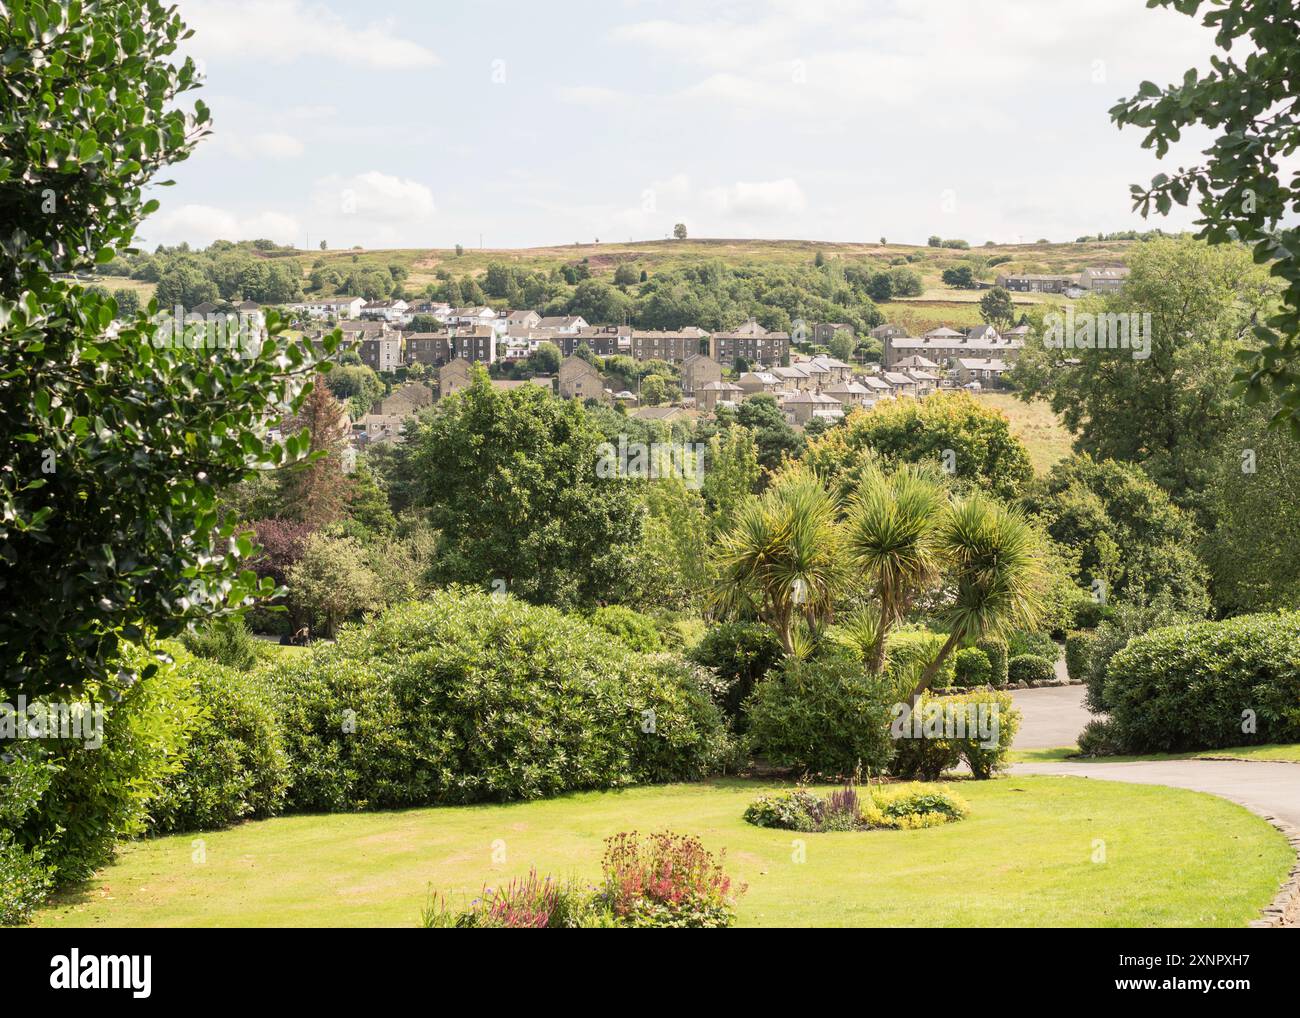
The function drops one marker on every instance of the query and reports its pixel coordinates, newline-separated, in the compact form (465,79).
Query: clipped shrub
(635,630)
(226,641)
(821,717)
(1208,685)
(1099,738)
(235,765)
(995,648)
(1030,668)
(977,727)
(1078,652)
(25,877)
(1090,613)
(459,698)
(1122,623)
(1037,644)
(971,667)
(740,654)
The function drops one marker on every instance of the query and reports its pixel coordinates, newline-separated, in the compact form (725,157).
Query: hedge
(972,667)
(1206,685)
(1078,654)
(1030,668)
(929,741)
(460,698)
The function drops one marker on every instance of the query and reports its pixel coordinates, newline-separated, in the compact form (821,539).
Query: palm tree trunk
(932,669)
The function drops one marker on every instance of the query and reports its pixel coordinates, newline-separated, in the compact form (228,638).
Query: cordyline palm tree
(994,564)
(889,538)
(782,558)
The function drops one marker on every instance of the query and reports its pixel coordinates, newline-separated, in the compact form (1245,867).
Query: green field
(1034,424)
(1025,857)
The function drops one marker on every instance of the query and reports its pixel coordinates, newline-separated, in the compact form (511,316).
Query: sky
(514,123)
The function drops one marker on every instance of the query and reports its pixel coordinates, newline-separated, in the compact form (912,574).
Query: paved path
(1055,715)
(1051,716)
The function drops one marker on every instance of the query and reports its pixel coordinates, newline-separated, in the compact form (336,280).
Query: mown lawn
(1025,857)
(1276,752)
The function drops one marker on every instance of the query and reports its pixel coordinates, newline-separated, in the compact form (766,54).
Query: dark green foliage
(1122,623)
(511,480)
(463,698)
(971,667)
(98,797)
(1129,535)
(1208,685)
(226,641)
(996,650)
(1078,654)
(821,717)
(633,629)
(113,446)
(740,654)
(235,765)
(1030,668)
(1038,644)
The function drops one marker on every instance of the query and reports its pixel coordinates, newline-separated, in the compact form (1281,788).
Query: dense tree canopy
(1252,104)
(115,440)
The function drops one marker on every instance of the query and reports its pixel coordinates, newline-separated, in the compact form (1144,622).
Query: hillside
(936,305)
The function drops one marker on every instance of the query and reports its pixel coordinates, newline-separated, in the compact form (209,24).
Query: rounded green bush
(460,698)
(1030,668)
(995,648)
(971,667)
(235,766)
(1208,685)
(635,630)
(821,717)
(1038,644)
(740,654)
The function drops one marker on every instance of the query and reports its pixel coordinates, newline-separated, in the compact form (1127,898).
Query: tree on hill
(996,308)
(679,231)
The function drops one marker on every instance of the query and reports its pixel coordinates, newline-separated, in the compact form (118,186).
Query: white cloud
(760,198)
(373,196)
(202,224)
(281,31)
(594,96)
(259,145)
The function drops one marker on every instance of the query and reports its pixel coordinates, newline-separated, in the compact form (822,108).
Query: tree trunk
(932,669)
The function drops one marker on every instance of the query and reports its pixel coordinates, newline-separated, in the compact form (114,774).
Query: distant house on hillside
(453,377)
(697,370)
(579,380)
(382,353)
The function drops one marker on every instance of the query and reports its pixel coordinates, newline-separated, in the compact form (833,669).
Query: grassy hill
(937,305)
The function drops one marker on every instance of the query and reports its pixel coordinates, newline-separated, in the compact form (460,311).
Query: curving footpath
(1269,789)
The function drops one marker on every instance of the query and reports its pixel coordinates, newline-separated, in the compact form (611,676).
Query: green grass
(1274,752)
(1023,858)
(1036,425)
